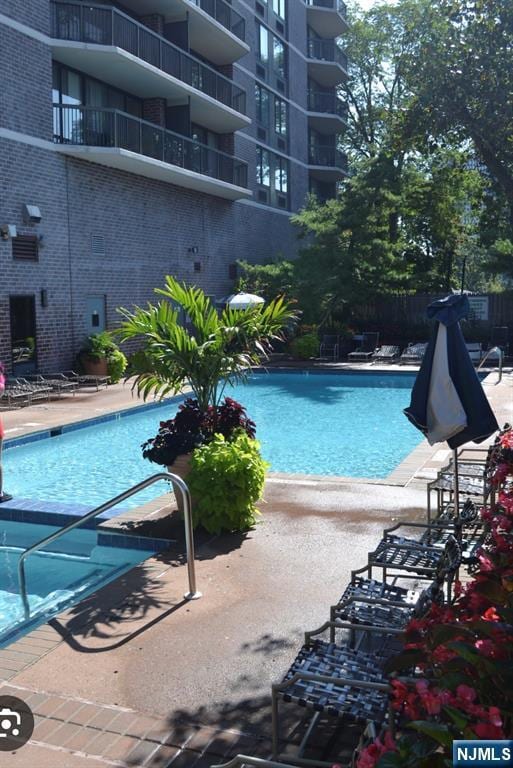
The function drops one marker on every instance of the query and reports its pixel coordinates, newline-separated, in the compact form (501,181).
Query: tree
(217,350)
(458,65)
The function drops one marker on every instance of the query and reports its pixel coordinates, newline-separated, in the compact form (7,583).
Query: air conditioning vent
(197,266)
(25,247)
(280,85)
(261,71)
(262,195)
(280,27)
(232,271)
(282,144)
(97,245)
(260,9)
(262,134)
(282,201)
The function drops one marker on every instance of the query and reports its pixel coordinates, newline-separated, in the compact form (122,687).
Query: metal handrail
(192,594)
(485,358)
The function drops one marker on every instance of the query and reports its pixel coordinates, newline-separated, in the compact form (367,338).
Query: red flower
(488,731)
(466,694)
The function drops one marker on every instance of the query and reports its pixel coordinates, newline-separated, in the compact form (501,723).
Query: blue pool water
(340,424)
(71,568)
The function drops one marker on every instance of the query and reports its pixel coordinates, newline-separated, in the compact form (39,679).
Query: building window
(279,56)
(263,44)
(271,50)
(279,8)
(280,116)
(272,174)
(281,175)
(262,98)
(25,248)
(263,167)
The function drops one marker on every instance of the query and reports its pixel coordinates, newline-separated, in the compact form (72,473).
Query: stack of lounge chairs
(23,391)
(413,354)
(343,677)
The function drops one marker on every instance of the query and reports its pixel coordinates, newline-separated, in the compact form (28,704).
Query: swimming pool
(57,577)
(322,424)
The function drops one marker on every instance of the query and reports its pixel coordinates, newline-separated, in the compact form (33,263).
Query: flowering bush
(464,651)
(192,427)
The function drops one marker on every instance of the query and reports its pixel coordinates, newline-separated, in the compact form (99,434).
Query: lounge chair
(386,354)
(55,382)
(329,346)
(475,351)
(84,380)
(368,348)
(14,395)
(35,390)
(413,354)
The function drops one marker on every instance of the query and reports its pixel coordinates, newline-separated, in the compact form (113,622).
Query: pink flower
(488,731)
(485,563)
(466,693)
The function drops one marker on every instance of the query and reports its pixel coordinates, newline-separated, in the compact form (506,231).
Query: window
(25,248)
(271,50)
(279,8)
(263,167)
(273,174)
(262,98)
(279,56)
(280,116)
(281,175)
(263,44)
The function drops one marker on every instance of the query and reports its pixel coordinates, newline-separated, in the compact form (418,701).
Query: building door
(95,314)
(23,334)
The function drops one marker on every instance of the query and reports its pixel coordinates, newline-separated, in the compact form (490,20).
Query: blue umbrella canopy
(447,400)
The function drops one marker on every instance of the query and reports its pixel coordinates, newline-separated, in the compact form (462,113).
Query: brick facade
(149,228)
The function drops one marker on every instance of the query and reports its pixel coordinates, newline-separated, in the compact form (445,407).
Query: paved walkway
(136,676)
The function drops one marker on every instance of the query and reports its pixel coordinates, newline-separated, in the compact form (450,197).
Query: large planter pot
(181,467)
(94,367)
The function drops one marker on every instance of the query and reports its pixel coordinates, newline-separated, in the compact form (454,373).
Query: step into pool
(57,577)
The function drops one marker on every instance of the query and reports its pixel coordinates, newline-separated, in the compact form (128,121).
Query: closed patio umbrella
(447,401)
(243,300)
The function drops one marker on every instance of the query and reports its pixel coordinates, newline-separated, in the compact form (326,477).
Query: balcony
(327,63)
(118,140)
(216,30)
(326,112)
(328,18)
(107,44)
(326,163)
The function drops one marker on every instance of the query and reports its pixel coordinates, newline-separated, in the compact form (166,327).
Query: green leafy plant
(219,349)
(304,347)
(116,365)
(226,480)
(101,346)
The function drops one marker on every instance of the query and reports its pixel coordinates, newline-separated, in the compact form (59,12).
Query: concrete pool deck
(134,676)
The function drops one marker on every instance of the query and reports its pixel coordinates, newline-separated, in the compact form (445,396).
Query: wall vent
(280,85)
(262,195)
(25,247)
(282,144)
(98,245)
(261,71)
(262,134)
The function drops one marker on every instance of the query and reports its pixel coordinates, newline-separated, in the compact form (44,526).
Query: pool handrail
(487,355)
(192,594)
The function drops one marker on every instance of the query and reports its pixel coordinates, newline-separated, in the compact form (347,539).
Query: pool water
(321,424)
(57,577)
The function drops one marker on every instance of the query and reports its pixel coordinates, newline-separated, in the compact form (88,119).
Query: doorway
(23,334)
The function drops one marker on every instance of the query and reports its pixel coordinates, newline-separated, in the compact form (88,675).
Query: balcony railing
(225,15)
(327,103)
(326,50)
(99,127)
(105,25)
(336,5)
(329,157)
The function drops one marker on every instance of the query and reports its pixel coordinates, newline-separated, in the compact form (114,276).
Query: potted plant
(219,348)
(100,356)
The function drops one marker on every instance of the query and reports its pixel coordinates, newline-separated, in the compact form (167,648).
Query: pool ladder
(192,594)
(501,359)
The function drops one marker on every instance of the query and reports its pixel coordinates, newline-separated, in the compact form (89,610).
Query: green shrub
(304,347)
(99,345)
(116,365)
(226,480)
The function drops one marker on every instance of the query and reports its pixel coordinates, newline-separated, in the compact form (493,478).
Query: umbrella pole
(456,487)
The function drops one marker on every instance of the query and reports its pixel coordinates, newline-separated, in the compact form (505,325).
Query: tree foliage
(214,350)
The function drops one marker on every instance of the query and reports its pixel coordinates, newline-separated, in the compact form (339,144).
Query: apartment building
(148,137)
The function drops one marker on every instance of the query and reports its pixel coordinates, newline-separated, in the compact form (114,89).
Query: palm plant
(220,348)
